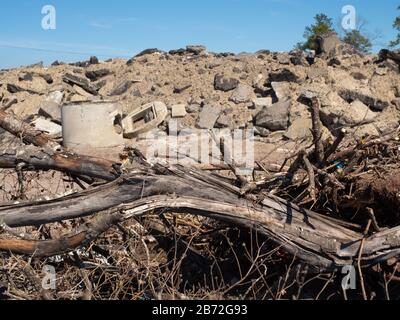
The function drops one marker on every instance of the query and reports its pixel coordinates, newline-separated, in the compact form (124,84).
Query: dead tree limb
(46,159)
(48,248)
(23,130)
(312,238)
(317,131)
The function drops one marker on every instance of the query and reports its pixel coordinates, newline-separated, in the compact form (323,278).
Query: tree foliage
(396,25)
(322,24)
(357,40)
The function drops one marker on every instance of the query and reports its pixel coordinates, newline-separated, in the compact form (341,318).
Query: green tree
(396,25)
(322,24)
(357,40)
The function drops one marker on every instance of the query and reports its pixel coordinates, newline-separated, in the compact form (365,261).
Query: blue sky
(121,28)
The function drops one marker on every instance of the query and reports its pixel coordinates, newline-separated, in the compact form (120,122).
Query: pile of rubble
(323,195)
(261,91)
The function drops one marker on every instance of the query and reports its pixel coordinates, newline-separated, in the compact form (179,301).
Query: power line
(60,51)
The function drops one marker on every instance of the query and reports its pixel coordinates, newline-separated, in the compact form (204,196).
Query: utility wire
(61,52)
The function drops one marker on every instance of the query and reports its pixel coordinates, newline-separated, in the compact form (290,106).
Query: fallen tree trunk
(313,238)
(46,159)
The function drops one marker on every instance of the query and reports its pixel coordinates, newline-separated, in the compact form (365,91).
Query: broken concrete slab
(284,75)
(50,107)
(262,132)
(224,121)
(178,111)
(13,88)
(48,126)
(224,83)
(283,58)
(328,44)
(79,81)
(345,115)
(274,118)
(242,94)
(352,95)
(95,75)
(282,90)
(262,102)
(209,116)
(121,88)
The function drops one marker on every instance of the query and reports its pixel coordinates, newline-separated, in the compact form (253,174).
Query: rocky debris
(284,75)
(242,94)
(209,115)
(225,121)
(196,49)
(28,76)
(13,88)
(57,63)
(193,108)
(47,126)
(181,88)
(48,78)
(264,52)
(178,111)
(385,54)
(340,115)
(79,81)
(93,60)
(95,75)
(281,90)
(179,52)
(83,64)
(274,118)
(144,53)
(121,88)
(259,103)
(262,132)
(334,62)
(299,129)
(352,95)
(224,83)
(328,44)
(297,58)
(137,93)
(50,107)
(359,75)
(35,65)
(82,93)
(239,87)
(282,58)
(9,102)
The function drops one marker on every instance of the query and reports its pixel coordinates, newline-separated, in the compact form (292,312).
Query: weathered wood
(47,159)
(313,238)
(48,248)
(23,130)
